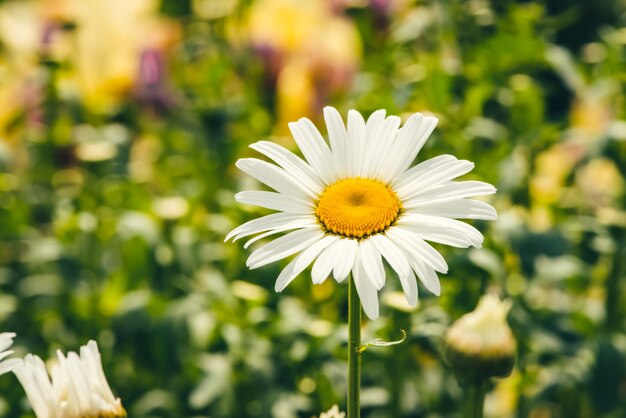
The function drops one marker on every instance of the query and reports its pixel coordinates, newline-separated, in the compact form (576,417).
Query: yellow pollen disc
(357,207)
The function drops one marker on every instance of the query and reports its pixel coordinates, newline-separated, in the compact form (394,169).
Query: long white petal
(291,163)
(409,286)
(376,118)
(287,227)
(268,222)
(313,147)
(324,264)
(461,209)
(346,250)
(388,249)
(356,142)
(449,192)
(283,247)
(428,179)
(6,340)
(418,170)
(427,276)
(368,295)
(33,376)
(275,201)
(338,138)
(372,262)
(417,248)
(373,131)
(438,228)
(410,140)
(384,147)
(302,261)
(8,365)
(274,177)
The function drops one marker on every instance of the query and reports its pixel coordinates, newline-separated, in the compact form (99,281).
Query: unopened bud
(480,344)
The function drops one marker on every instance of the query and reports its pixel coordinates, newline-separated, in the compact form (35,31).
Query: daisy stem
(354,355)
(474,400)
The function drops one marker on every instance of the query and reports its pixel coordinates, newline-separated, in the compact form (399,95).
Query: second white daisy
(358,201)
(76,388)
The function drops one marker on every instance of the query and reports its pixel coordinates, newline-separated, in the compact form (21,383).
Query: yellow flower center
(357,207)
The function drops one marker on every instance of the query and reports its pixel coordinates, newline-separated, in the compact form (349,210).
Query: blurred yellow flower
(311,51)
(110,38)
(599,183)
(592,112)
(286,25)
(552,167)
(21,31)
(170,208)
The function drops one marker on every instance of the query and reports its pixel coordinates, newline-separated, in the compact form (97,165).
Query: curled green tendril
(379,342)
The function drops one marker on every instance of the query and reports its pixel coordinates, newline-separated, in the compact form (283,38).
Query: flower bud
(480,344)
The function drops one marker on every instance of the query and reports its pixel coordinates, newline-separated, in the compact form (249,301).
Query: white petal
(449,192)
(427,276)
(8,365)
(373,131)
(372,262)
(368,294)
(462,209)
(376,118)
(324,264)
(409,286)
(394,256)
(271,221)
(291,163)
(356,142)
(410,140)
(338,138)
(33,376)
(6,340)
(443,230)
(273,176)
(313,147)
(283,228)
(283,247)
(417,248)
(346,250)
(383,147)
(426,180)
(275,201)
(302,261)
(418,170)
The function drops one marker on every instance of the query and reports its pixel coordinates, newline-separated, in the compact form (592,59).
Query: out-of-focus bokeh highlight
(121,120)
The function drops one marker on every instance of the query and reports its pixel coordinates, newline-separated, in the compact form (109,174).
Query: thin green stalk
(474,400)
(354,356)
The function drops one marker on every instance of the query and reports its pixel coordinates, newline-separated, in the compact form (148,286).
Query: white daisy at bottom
(333,413)
(76,387)
(357,200)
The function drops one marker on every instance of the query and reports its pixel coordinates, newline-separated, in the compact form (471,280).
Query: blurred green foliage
(120,125)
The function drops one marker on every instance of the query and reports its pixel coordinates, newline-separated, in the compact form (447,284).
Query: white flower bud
(480,344)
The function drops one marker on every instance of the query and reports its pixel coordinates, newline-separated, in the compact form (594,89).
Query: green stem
(474,400)
(354,356)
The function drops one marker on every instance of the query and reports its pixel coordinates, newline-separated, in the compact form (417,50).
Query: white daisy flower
(358,201)
(6,341)
(333,413)
(76,387)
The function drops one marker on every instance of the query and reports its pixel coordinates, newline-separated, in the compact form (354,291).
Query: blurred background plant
(120,122)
